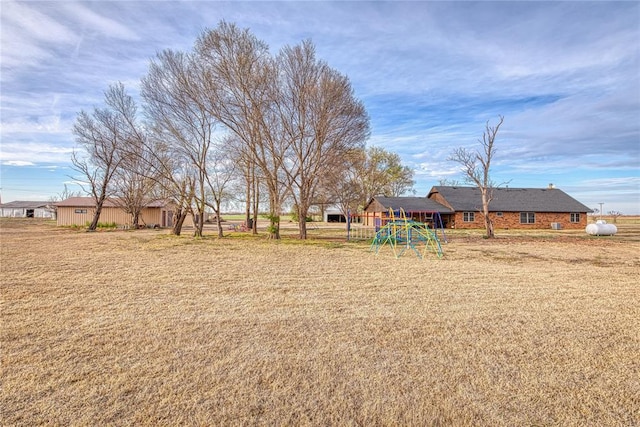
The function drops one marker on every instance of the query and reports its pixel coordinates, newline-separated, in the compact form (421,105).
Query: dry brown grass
(144,328)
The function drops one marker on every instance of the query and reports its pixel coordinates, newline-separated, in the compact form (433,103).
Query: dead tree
(175,97)
(321,119)
(476,165)
(241,76)
(102,135)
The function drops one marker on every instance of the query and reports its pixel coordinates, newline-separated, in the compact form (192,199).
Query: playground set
(402,233)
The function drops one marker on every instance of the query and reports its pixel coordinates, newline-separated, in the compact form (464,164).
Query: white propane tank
(601,228)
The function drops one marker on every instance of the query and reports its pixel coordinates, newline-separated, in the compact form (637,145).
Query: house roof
(411,204)
(89,202)
(510,199)
(26,204)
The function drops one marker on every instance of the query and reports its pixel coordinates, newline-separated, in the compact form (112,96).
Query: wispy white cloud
(18,163)
(28,34)
(614,183)
(36,24)
(31,153)
(91,21)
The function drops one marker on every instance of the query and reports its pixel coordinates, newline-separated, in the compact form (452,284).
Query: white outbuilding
(27,209)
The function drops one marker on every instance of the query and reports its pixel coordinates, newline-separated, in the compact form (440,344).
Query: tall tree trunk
(136,219)
(96,214)
(302,223)
(256,206)
(199,223)
(218,218)
(274,225)
(96,217)
(179,218)
(200,206)
(274,217)
(248,201)
(488,223)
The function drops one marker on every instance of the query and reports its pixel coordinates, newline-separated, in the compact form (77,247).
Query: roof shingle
(412,204)
(511,199)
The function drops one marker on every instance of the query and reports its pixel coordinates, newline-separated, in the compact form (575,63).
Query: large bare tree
(135,180)
(476,165)
(102,136)
(321,118)
(175,103)
(241,76)
(291,118)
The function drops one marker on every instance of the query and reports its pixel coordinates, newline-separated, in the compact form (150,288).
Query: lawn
(139,327)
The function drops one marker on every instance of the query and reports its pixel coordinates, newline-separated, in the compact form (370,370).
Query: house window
(468,216)
(81,211)
(575,217)
(527,218)
(499,214)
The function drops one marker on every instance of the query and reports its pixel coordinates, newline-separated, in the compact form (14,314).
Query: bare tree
(134,185)
(615,215)
(342,187)
(175,103)
(249,189)
(241,75)
(321,119)
(290,118)
(134,181)
(476,165)
(220,172)
(179,188)
(101,136)
(170,175)
(65,194)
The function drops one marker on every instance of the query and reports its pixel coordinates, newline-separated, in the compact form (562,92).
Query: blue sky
(565,75)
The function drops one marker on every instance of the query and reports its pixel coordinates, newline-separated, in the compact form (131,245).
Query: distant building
(333,214)
(27,209)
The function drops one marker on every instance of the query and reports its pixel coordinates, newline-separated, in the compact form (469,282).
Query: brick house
(522,208)
(511,208)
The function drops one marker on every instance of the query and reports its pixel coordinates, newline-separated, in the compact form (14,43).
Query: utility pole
(601,209)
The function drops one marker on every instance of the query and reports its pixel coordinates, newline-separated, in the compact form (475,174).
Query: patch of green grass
(101,225)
